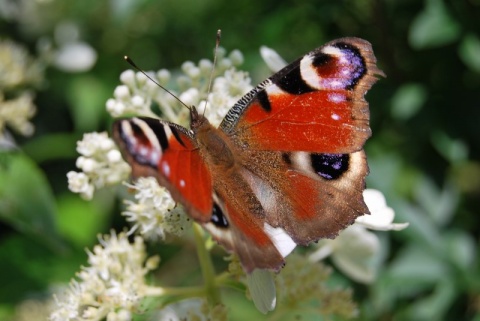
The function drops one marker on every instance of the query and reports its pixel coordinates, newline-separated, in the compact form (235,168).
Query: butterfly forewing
(315,104)
(167,152)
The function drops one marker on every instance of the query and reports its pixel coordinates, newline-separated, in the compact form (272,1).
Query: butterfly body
(286,165)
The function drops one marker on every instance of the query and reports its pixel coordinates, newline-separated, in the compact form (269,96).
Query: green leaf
(422,230)
(439,205)
(52,147)
(454,150)
(87,96)
(81,220)
(469,52)
(461,249)
(434,306)
(26,200)
(433,27)
(408,100)
(415,267)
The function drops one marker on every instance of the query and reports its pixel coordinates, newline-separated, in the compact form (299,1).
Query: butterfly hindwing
(310,196)
(241,231)
(167,152)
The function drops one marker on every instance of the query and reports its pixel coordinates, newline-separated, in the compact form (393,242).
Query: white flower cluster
(113,284)
(137,93)
(16,113)
(154,214)
(101,164)
(17,72)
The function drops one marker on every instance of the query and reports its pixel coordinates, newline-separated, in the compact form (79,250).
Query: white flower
(356,250)
(72,55)
(137,94)
(101,165)
(226,91)
(113,284)
(381,216)
(75,57)
(17,68)
(17,71)
(79,183)
(16,113)
(262,290)
(273,60)
(154,214)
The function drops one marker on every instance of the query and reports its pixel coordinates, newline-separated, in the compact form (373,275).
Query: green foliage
(424,153)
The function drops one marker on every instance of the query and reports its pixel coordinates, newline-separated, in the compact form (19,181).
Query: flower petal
(262,290)
(381,216)
(272,59)
(75,57)
(355,253)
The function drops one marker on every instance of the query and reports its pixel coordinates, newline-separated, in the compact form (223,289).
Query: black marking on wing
(159,131)
(290,80)
(330,166)
(321,59)
(231,118)
(263,100)
(286,158)
(218,218)
(177,135)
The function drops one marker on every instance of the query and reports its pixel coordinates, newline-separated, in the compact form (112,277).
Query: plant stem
(208,272)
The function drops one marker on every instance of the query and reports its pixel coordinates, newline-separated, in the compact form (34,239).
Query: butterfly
(286,166)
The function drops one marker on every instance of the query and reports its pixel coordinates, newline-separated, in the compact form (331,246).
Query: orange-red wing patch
(319,121)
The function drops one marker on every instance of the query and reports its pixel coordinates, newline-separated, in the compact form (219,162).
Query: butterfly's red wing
(315,104)
(169,153)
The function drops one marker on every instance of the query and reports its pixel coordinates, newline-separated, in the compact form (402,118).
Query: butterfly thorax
(213,143)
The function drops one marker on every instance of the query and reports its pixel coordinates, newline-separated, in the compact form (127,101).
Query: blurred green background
(424,154)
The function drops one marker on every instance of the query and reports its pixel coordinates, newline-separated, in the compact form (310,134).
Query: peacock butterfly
(286,165)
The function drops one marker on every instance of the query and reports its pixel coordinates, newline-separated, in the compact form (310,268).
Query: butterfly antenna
(130,61)
(209,89)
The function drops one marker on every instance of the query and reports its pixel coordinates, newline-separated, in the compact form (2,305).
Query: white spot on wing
(152,138)
(282,241)
(335,117)
(308,72)
(302,160)
(332,51)
(182,183)
(336,97)
(273,90)
(155,156)
(126,128)
(166,169)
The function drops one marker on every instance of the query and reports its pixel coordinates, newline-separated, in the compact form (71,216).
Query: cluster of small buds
(17,112)
(101,164)
(137,93)
(18,71)
(113,284)
(301,281)
(154,214)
